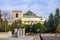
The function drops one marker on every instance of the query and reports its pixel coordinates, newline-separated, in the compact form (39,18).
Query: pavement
(21,38)
(36,37)
(50,38)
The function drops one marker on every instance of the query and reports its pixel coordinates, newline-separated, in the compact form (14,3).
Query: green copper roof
(30,14)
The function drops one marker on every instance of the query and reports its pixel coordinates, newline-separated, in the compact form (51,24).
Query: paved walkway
(21,38)
(50,38)
(36,37)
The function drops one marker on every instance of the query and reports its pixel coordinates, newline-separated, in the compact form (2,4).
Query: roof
(30,14)
(16,11)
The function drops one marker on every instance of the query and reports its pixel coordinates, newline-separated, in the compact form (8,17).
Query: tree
(27,28)
(19,23)
(56,18)
(58,28)
(16,25)
(46,25)
(8,28)
(5,21)
(5,24)
(5,15)
(1,20)
(1,23)
(50,23)
(53,21)
(38,28)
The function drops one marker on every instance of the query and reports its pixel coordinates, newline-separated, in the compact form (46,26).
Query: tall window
(16,15)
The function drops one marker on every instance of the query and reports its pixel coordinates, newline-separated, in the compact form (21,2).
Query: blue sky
(39,7)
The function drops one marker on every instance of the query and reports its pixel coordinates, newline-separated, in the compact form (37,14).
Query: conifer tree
(50,23)
(56,18)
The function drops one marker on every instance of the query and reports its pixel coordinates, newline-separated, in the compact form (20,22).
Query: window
(41,19)
(24,21)
(28,21)
(16,15)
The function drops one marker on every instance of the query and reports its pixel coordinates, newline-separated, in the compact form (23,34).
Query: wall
(20,15)
(5,34)
(32,20)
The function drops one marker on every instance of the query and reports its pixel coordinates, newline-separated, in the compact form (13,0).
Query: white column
(23,32)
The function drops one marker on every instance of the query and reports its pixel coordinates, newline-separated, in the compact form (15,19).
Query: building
(27,18)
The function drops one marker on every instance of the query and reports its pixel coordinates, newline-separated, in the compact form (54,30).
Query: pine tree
(56,18)
(50,23)
(45,23)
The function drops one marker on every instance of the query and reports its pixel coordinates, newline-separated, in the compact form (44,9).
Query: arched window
(16,15)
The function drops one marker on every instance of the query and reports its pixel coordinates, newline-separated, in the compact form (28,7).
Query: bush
(35,28)
(38,28)
(27,28)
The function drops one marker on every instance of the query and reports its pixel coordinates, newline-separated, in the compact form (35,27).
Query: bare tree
(6,18)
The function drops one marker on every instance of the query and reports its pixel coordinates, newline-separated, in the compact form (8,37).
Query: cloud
(40,7)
